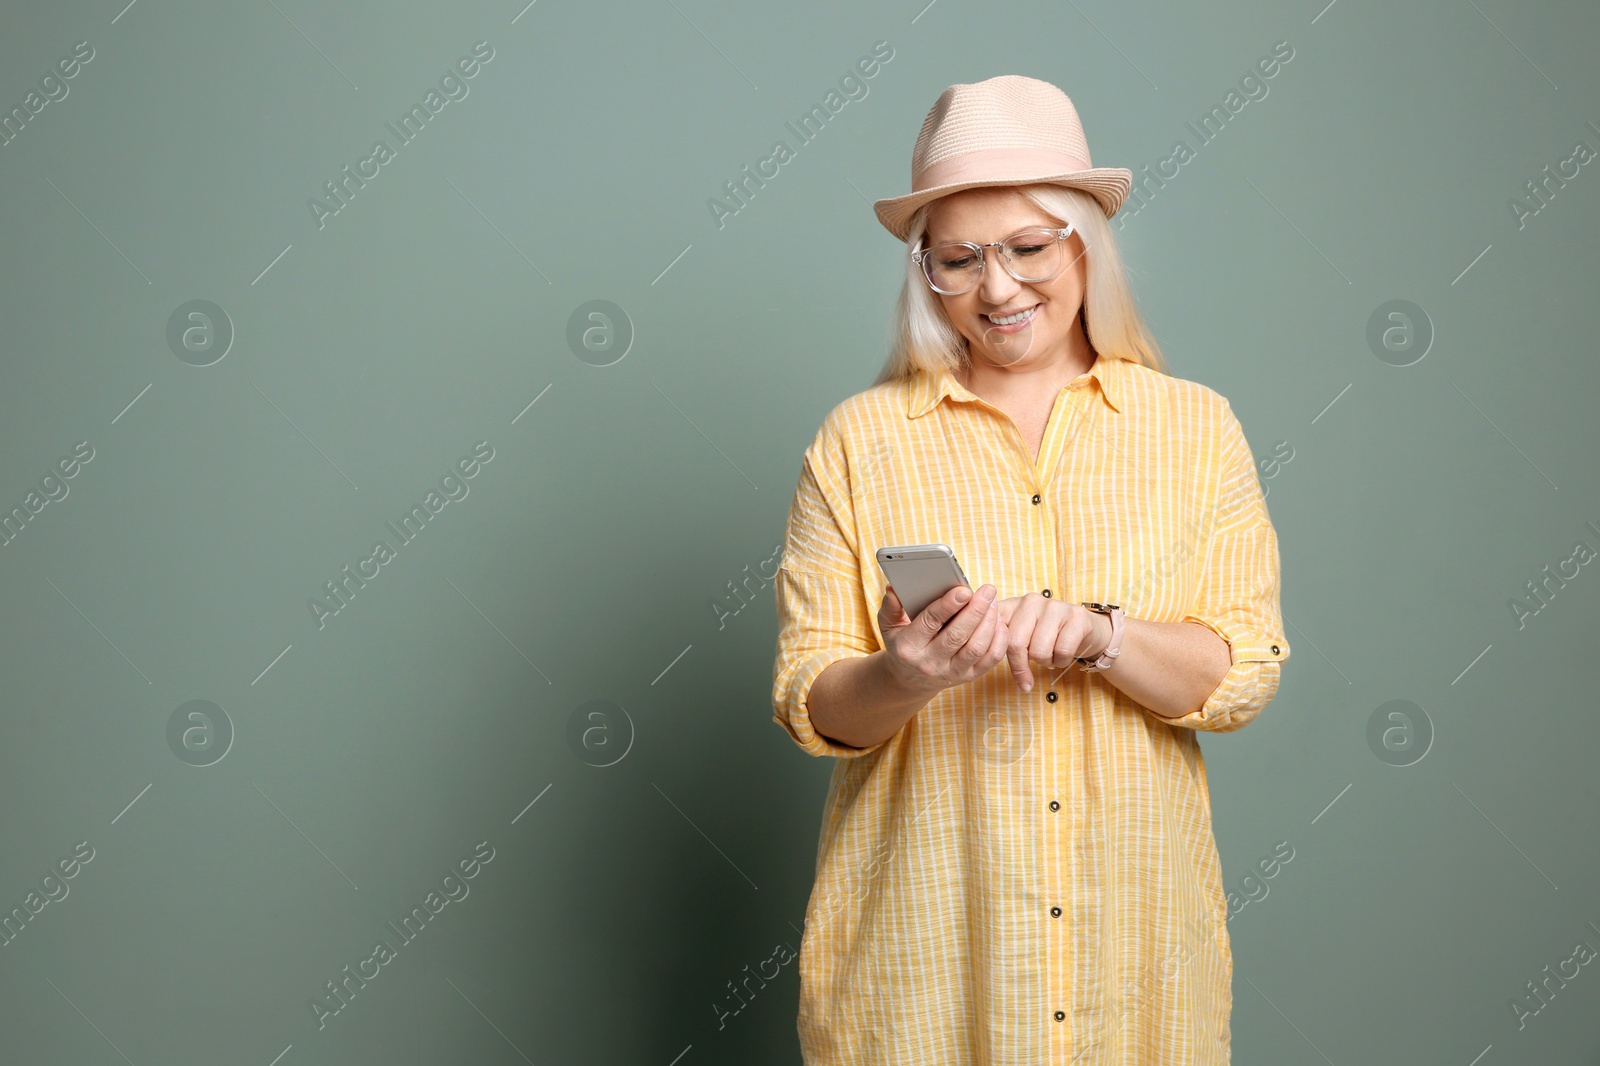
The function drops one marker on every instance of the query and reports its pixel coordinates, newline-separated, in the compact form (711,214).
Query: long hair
(924,339)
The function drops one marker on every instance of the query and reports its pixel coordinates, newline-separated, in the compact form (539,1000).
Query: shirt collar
(927,389)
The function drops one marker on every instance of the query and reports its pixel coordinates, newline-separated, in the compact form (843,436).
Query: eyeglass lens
(1032,256)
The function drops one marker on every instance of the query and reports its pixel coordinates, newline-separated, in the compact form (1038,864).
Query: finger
(1020,670)
(973,652)
(998,643)
(1008,607)
(1017,646)
(892,613)
(1066,647)
(1047,632)
(1073,635)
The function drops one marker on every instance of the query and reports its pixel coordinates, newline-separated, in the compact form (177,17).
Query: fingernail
(963,595)
(1028,685)
(988,592)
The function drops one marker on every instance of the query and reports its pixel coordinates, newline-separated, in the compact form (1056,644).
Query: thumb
(940,611)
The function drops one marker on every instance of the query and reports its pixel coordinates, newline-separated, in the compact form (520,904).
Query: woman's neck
(1008,386)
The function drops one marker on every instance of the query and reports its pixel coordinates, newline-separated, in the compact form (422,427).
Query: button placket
(1058,832)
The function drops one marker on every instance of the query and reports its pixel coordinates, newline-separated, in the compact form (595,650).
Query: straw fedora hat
(1009,130)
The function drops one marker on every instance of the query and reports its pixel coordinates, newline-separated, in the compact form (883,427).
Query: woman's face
(990,213)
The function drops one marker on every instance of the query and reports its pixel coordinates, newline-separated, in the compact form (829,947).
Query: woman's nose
(997,284)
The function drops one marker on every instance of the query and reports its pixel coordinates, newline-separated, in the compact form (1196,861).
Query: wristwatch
(1114,648)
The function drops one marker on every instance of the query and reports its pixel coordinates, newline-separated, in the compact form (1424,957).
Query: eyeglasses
(1032,256)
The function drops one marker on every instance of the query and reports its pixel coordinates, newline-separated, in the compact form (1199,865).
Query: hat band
(996,164)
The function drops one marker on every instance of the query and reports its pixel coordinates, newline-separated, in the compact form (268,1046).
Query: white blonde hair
(924,339)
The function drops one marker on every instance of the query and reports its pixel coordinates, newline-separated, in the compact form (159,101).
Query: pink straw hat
(1009,130)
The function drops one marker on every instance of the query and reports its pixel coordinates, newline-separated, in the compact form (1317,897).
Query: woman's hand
(957,638)
(1046,631)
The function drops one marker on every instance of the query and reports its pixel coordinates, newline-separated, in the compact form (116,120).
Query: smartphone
(920,573)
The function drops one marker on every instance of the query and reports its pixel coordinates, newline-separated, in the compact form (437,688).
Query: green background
(371,754)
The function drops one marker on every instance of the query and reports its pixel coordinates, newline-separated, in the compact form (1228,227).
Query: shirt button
(1051,696)
(1047,593)
(1054,806)
(1274,649)
(1036,497)
(1055,912)
(1061,1015)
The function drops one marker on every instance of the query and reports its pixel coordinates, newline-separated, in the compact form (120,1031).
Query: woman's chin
(1006,349)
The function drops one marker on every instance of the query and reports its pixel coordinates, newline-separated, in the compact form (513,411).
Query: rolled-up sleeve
(822,610)
(1237,592)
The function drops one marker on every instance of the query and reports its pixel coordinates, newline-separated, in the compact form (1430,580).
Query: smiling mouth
(1013,319)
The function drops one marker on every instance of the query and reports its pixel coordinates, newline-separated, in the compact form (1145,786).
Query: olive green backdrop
(539,721)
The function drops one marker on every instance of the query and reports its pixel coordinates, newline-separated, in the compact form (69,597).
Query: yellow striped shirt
(1023,878)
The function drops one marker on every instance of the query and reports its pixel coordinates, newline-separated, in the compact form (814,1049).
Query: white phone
(920,573)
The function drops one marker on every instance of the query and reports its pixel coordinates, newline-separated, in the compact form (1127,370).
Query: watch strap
(1113,647)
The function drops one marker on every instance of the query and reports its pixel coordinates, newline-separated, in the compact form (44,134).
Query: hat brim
(1109,186)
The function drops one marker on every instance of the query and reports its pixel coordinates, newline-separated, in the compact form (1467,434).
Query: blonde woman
(1016,863)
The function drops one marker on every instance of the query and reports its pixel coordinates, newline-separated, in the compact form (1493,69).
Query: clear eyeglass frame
(921,257)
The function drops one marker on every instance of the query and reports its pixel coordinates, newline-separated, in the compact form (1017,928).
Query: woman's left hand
(1045,630)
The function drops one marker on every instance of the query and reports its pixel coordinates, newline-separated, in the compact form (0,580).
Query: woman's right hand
(958,638)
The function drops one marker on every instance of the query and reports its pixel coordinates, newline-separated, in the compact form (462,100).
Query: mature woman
(1016,863)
